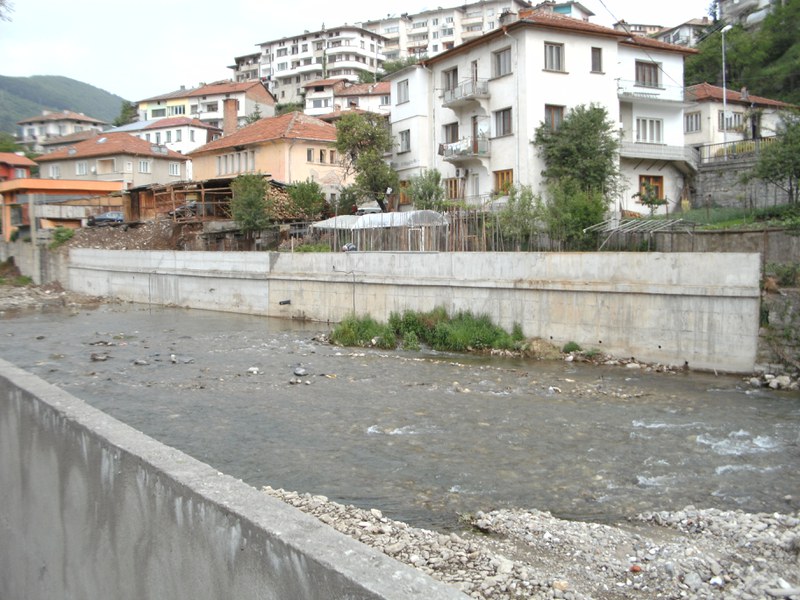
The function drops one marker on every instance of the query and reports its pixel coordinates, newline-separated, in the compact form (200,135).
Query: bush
(354,331)
(571,347)
(788,275)
(61,235)
(312,248)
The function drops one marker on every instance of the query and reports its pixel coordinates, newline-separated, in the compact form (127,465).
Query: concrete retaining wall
(92,509)
(40,264)
(670,308)
(774,245)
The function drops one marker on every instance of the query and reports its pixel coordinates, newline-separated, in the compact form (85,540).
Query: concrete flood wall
(670,308)
(92,509)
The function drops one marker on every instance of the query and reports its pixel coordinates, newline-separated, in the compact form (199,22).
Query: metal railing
(711,153)
(469,90)
(468,147)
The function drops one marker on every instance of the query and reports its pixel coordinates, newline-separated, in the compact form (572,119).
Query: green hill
(26,97)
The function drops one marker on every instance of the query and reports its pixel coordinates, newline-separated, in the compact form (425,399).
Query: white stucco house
(472,112)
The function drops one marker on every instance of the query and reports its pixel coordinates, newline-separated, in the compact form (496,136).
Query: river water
(421,436)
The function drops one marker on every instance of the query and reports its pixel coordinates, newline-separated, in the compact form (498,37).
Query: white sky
(149,47)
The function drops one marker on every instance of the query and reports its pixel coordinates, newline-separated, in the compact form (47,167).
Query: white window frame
(144,165)
(649,130)
(733,121)
(554,57)
(692,122)
(402,91)
(175,169)
(405,141)
(81,168)
(501,62)
(648,74)
(503,124)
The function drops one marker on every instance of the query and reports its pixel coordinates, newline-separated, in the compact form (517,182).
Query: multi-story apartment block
(207,103)
(36,130)
(336,53)
(431,32)
(247,67)
(472,112)
(746,12)
(686,34)
(637,28)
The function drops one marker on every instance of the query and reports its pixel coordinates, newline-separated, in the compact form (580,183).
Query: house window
(159,112)
(692,122)
(144,166)
(451,133)
(450,79)
(501,62)
(647,73)
(385,100)
(502,122)
(158,137)
(80,168)
(168,135)
(178,135)
(402,91)
(175,169)
(176,110)
(553,115)
(553,57)
(55,171)
(191,135)
(597,60)
(503,180)
(649,131)
(20,173)
(405,141)
(332,156)
(733,122)
(322,156)
(309,155)
(655,183)
(147,137)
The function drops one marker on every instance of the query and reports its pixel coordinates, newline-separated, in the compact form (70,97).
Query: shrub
(571,347)
(61,235)
(788,275)
(312,248)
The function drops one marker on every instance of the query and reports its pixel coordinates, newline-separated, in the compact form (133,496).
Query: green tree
(779,162)
(308,197)
(583,147)
(361,141)
(391,66)
(571,208)
(128,113)
(367,77)
(253,116)
(520,216)
(347,201)
(249,203)
(426,191)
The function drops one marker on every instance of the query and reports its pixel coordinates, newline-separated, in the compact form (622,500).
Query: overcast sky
(149,47)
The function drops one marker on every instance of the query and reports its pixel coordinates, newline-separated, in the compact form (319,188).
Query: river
(423,436)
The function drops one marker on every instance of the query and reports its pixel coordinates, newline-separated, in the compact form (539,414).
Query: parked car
(114,217)
(186,210)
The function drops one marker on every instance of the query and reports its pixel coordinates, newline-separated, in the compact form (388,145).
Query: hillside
(25,97)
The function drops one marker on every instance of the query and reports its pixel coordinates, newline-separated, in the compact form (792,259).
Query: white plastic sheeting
(411,218)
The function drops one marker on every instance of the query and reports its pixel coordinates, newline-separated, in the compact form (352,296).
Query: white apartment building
(431,32)
(49,126)
(472,112)
(336,53)
(334,95)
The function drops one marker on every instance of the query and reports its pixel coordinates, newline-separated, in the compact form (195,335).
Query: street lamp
(725,29)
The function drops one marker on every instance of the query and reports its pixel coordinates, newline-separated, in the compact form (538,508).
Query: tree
(361,141)
(367,77)
(520,216)
(308,197)
(779,162)
(253,116)
(571,208)
(249,203)
(391,66)
(128,113)
(649,197)
(426,191)
(583,147)
(346,202)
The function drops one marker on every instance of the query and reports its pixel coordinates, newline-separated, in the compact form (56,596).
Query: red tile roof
(224,87)
(15,160)
(366,89)
(705,91)
(67,115)
(641,41)
(179,122)
(111,144)
(294,125)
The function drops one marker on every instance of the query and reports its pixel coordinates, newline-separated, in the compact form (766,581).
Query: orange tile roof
(366,89)
(641,41)
(294,125)
(223,87)
(68,185)
(67,115)
(15,160)
(111,144)
(706,91)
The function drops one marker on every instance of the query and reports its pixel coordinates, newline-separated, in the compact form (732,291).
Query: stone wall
(719,184)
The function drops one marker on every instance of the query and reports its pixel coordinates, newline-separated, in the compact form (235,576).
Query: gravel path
(530,554)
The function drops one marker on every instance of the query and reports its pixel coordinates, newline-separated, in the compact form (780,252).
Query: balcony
(465,93)
(638,150)
(631,91)
(465,150)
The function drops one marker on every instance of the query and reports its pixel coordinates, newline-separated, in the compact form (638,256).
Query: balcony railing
(628,89)
(469,91)
(711,153)
(660,152)
(466,149)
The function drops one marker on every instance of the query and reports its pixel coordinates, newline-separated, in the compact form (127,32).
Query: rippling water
(421,436)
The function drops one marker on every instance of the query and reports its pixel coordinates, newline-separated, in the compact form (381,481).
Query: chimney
(230,120)
(745,94)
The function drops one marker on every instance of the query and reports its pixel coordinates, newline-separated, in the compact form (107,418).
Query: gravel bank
(530,554)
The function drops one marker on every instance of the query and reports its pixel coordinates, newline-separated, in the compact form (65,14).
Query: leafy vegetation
(362,140)
(308,197)
(286,107)
(569,210)
(764,60)
(520,218)
(26,97)
(462,332)
(391,66)
(779,162)
(128,113)
(426,191)
(313,248)
(249,203)
(61,235)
